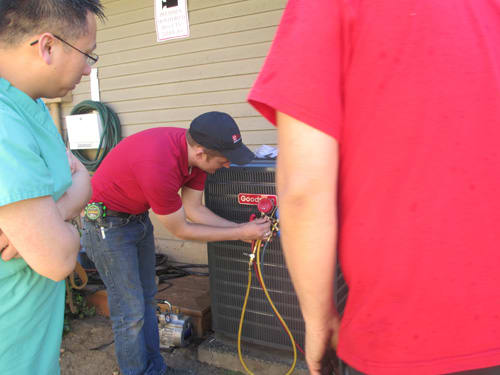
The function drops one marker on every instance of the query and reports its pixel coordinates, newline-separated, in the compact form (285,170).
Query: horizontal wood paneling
(250,123)
(242,81)
(133,15)
(190,73)
(186,113)
(169,83)
(143,46)
(256,47)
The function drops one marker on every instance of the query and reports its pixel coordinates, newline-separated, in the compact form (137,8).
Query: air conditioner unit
(228,265)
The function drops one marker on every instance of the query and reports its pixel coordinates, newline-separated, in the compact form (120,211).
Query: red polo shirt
(411,91)
(146,170)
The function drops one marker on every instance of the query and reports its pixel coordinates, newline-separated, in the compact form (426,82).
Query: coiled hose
(111,132)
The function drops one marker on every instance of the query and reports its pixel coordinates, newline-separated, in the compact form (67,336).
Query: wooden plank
(176,88)
(244,123)
(223,69)
(146,29)
(136,37)
(118,60)
(189,296)
(182,101)
(256,138)
(253,139)
(224,11)
(184,114)
(203,4)
(112,8)
(244,81)
(130,16)
(135,15)
(192,59)
(150,80)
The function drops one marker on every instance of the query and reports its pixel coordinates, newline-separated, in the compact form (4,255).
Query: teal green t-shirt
(33,163)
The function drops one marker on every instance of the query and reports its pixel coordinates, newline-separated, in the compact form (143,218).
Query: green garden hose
(111,131)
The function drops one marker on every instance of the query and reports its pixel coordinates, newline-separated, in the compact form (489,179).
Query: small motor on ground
(175,329)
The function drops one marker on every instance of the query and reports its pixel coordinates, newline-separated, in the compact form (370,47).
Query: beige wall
(150,84)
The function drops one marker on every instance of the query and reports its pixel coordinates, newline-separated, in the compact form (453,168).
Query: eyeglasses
(91,57)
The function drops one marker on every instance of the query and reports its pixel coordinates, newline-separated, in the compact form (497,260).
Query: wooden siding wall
(149,83)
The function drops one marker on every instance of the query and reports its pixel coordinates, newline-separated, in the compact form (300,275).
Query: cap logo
(236,138)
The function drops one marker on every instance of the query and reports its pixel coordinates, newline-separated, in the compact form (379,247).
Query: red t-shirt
(411,91)
(146,170)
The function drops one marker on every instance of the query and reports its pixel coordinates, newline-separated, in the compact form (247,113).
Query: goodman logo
(253,199)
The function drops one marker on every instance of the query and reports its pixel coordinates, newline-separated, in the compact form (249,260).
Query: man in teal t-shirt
(41,185)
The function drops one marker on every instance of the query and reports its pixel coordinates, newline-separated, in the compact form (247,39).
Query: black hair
(66,18)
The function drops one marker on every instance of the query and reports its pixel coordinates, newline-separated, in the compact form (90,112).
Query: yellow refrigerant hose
(256,253)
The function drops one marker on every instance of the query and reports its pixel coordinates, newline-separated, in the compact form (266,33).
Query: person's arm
(4,241)
(307,191)
(204,225)
(37,231)
(7,250)
(197,212)
(79,193)
(69,205)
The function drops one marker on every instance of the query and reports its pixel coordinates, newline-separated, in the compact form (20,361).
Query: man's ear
(45,47)
(199,152)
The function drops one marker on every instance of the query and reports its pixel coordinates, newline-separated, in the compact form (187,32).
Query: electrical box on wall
(84,131)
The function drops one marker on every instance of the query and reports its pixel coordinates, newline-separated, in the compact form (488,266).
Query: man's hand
(321,342)
(258,229)
(6,249)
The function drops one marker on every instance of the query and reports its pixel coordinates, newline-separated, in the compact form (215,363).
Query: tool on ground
(174,329)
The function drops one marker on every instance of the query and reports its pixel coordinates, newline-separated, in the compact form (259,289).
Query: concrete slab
(269,362)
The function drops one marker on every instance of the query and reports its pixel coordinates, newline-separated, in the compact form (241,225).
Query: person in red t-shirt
(146,171)
(389,133)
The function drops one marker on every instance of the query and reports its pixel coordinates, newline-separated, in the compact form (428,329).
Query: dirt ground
(88,349)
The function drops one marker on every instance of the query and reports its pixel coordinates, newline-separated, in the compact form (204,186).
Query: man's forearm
(203,215)
(308,239)
(203,232)
(177,224)
(307,192)
(76,197)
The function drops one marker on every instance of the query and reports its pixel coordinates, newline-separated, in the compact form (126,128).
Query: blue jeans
(125,260)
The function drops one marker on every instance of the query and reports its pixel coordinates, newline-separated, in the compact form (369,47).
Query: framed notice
(171,19)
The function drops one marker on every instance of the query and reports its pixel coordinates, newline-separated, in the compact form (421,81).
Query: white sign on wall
(171,19)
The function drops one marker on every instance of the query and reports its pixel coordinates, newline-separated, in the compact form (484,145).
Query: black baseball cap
(218,131)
